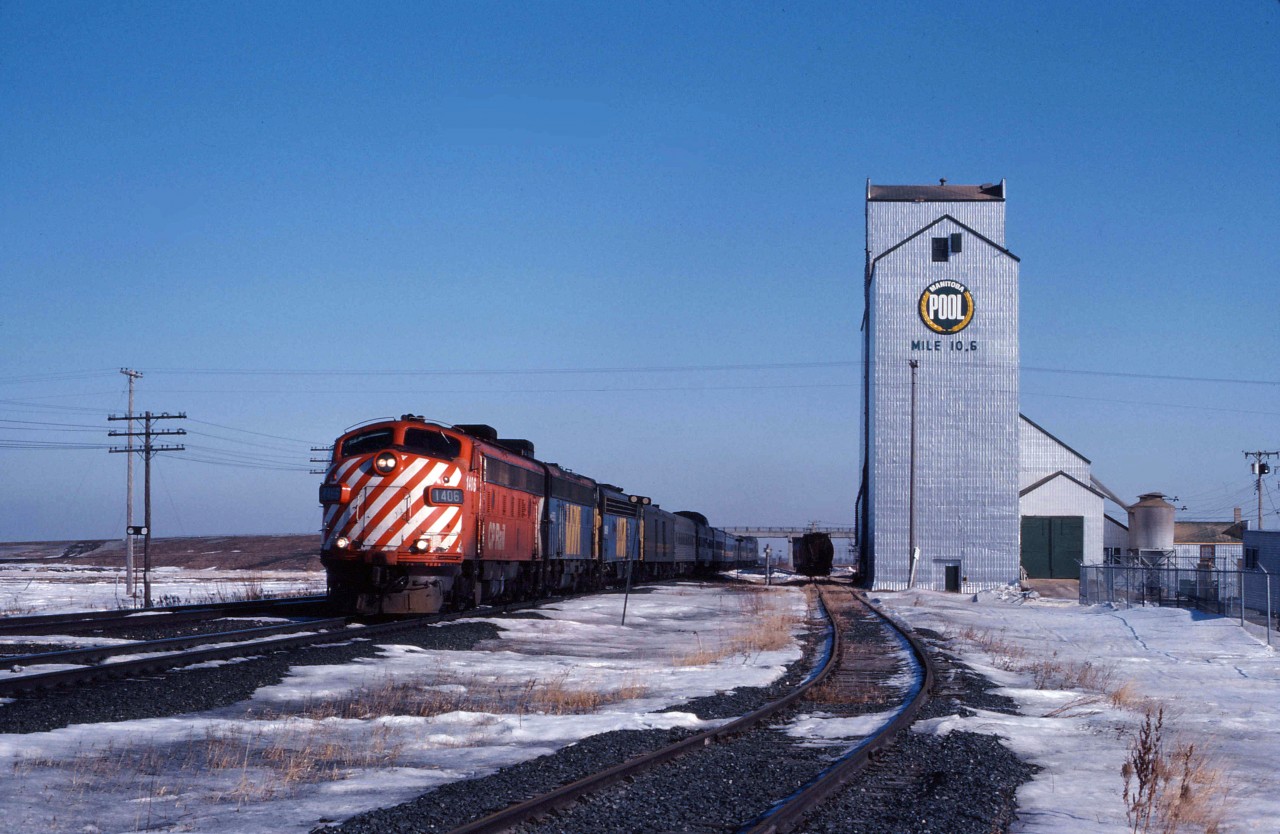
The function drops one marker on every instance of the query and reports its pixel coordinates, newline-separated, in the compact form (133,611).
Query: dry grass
(770,626)
(264,765)
(1049,672)
(832,692)
(1170,786)
(1126,696)
(305,746)
(422,699)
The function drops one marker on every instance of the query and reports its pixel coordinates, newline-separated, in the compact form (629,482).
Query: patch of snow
(1217,684)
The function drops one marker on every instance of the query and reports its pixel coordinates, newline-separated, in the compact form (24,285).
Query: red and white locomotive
(420,516)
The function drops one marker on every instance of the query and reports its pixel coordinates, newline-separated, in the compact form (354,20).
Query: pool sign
(946,307)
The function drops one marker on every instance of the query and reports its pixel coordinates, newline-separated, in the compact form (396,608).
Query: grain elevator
(938,503)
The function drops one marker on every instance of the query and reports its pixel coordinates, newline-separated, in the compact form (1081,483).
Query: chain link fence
(1251,596)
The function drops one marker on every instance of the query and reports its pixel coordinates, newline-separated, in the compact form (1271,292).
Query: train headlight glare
(385,463)
(342,543)
(421,545)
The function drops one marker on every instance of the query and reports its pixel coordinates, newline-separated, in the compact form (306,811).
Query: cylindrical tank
(1151,523)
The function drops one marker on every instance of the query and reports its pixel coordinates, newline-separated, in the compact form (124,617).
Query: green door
(1035,547)
(1066,538)
(1052,546)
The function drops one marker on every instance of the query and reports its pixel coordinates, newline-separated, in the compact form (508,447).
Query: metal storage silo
(1151,524)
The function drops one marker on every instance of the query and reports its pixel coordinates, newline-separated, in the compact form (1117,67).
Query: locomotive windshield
(437,444)
(365,442)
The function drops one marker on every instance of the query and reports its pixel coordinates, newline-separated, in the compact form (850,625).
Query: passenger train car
(420,516)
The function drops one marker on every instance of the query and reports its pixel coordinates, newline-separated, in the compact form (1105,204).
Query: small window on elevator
(945,247)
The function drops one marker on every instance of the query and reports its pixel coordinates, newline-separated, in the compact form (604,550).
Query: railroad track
(74,623)
(844,667)
(788,814)
(163,655)
(150,657)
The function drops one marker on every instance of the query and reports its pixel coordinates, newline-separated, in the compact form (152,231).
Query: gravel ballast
(197,690)
(958,783)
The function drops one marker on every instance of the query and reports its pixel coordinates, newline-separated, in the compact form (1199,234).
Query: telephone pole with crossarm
(148,450)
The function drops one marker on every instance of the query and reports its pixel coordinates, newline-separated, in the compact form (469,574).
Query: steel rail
(10,686)
(567,794)
(37,624)
(24,684)
(787,814)
(97,654)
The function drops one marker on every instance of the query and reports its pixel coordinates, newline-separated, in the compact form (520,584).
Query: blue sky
(653,212)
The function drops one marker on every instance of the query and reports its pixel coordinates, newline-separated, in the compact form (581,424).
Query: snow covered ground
(33,588)
(294,755)
(1218,685)
(269,765)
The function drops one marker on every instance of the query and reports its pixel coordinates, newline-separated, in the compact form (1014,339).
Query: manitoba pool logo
(946,307)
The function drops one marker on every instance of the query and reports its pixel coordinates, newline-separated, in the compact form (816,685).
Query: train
(420,517)
(813,554)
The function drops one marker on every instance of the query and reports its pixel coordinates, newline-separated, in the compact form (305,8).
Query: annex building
(958,490)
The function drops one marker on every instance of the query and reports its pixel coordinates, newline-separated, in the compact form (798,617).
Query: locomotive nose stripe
(381,525)
(445,518)
(437,519)
(338,474)
(385,493)
(362,476)
(377,522)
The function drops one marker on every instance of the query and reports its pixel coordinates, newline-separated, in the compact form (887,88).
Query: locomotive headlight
(342,543)
(421,545)
(385,463)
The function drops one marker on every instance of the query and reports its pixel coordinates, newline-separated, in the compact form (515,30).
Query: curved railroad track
(842,669)
(790,812)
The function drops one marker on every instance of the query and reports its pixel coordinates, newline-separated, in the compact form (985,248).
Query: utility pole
(327,459)
(148,451)
(1259,468)
(128,493)
(911,489)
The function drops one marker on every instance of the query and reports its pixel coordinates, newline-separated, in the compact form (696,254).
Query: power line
(55,376)
(51,425)
(249,431)
(276,446)
(1164,377)
(510,371)
(49,444)
(668,369)
(251,456)
(235,465)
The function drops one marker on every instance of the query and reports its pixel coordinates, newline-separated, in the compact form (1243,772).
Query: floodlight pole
(911,490)
(640,501)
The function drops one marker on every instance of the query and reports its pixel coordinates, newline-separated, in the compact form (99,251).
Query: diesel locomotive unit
(420,516)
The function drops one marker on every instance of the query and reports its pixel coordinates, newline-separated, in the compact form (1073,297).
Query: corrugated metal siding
(1225,556)
(967,412)
(1063,497)
(891,223)
(1268,544)
(1113,535)
(1041,455)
